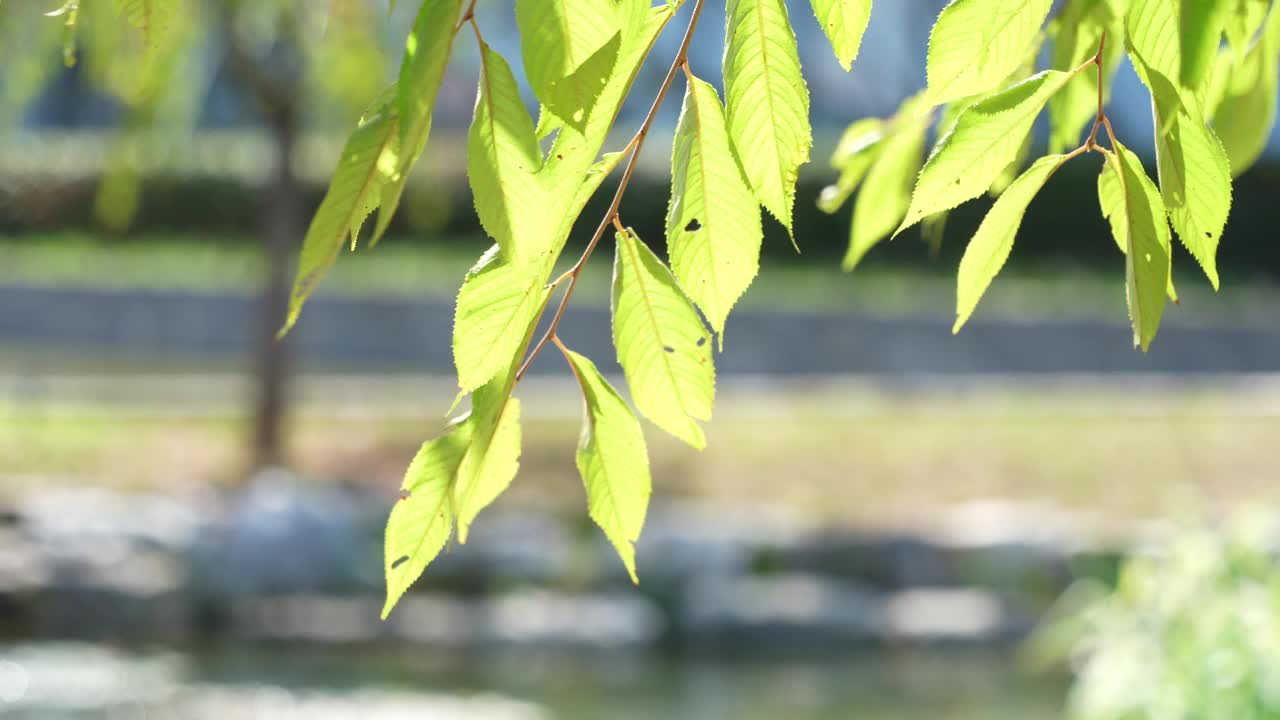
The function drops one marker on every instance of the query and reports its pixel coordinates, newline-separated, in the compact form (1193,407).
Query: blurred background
(1022,521)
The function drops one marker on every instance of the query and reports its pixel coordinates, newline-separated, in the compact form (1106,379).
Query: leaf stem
(611,215)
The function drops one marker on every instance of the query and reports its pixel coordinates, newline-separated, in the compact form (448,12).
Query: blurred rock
(949,614)
(887,561)
(284,535)
(793,609)
(685,540)
(531,618)
(280,704)
(507,547)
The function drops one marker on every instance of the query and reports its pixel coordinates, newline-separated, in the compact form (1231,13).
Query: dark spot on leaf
(399,562)
(404,494)
(559,156)
(1208,234)
(702,341)
(957,181)
(668,348)
(693,226)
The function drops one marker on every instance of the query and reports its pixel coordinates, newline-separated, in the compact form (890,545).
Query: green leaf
(976,44)
(990,246)
(663,347)
(886,193)
(426,54)
(1244,18)
(613,462)
(149,16)
(986,138)
(1153,37)
(713,221)
(853,157)
(566,172)
(1247,112)
(497,302)
(367,162)
(1195,175)
(502,161)
(493,459)
(1075,34)
(1202,24)
(767,101)
(421,520)
(1131,202)
(569,49)
(844,22)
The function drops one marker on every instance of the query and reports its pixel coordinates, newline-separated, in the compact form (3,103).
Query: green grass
(415,267)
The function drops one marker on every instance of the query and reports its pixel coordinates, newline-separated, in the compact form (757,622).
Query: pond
(83,681)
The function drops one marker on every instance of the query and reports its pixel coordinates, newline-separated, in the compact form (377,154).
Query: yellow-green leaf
(886,192)
(663,347)
(853,157)
(1202,24)
(492,460)
(844,22)
(976,44)
(426,54)
(713,221)
(1131,202)
(497,302)
(767,101)
(367,162)
(1247,112)
(985,140)
(613,462)
(502,161)
(991,244)
(569,49)
(422,518)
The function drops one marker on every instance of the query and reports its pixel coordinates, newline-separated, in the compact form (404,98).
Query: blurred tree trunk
(281,230)
(273,78)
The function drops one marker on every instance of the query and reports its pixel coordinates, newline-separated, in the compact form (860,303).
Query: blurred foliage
(158,76)
(1190,632)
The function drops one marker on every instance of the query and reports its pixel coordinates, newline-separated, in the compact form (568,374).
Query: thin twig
(469,15)
(1101,116)
(636,144)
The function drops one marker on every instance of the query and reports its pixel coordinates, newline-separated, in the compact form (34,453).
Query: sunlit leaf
(853,157)
(1202,24)
(1247,111)
(497,302)
(844,22)
(663,347)
(569,49)
(985,140)
(976,44)
(613,462)
(991,244)
(1244,18)
(767,101)
(492,460)
(426,54)
(503,159)
(367,162)
(1131,202)
(885,194)
(713,222)
(422,518)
